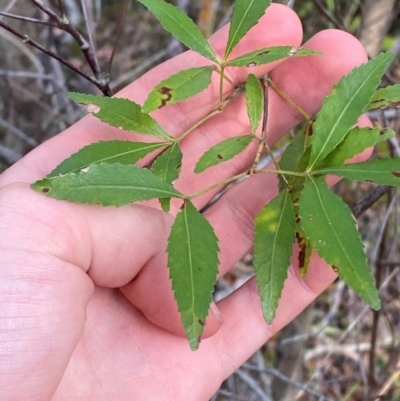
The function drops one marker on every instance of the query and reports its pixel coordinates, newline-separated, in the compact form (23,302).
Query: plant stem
(217,185)
(216,111)
(280,172)
(285,96)
(221,85)
(200,122)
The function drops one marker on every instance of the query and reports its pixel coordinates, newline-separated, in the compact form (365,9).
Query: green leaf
(124,152)
(295,157)
(273,243)
(246,14)
(107,184)
(181,26)
(121,113)
(168,165)
(178,87)
(270,54)
(331,229)
(384,97)
(193,263)
(254,101)
(356,141)
(165,204)
(342,108)
(384,171)
(223,151)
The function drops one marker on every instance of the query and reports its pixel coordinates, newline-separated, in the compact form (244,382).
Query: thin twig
(29,41)
(27,19)
(253,385)
(87,50)
(328,15)
(279,375)
(92,53)
(365,203)
(120,26)
(18,133)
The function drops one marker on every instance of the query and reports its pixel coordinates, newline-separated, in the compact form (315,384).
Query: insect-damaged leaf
(178,87)
(384,97)
(268,55)
(181,26)
(223,151)
(384,171)
(332,231)
(341,109)
(193,264)
(168,167)
(254,101)
(108,185)
(273,243)
(356,141)
(121,113)
(124,152)
(246,14)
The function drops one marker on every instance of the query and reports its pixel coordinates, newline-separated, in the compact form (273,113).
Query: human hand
(86,306)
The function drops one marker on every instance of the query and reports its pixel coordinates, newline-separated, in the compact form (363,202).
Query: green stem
(285,96)
(202,121)
(221,85)
(216,111)
(217,185)
(280,172)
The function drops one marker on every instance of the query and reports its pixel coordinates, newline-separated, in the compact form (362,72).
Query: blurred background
(337,349)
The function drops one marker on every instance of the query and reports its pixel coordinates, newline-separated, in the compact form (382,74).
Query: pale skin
(86,308)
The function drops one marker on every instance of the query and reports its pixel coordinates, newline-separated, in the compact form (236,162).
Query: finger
(233,216)
(176,118)
(307,80)
(245,330)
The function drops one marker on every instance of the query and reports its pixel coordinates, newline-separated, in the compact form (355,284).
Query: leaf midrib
(338,120)
(231,46)
(330,225)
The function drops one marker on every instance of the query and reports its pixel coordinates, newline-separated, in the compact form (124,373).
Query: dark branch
(27,19)
(365,203)
(50,53)
(328,15)
(63,24)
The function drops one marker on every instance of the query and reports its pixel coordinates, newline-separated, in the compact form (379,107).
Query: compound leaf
(384,97)
(273,243)
(341,109)
(181,26)
(382,171)
(356,141)
(193,264)
(108,185)
(331,230)
(178,87)
(223,151)
(254,101)
(268,55)
(246,14)
(121,113)
(124,152)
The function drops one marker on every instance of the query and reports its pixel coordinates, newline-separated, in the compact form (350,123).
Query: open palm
(86,307)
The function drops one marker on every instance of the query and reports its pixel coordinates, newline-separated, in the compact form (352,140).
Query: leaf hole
(92,108)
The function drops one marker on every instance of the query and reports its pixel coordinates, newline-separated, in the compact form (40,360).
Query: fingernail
(217,313)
